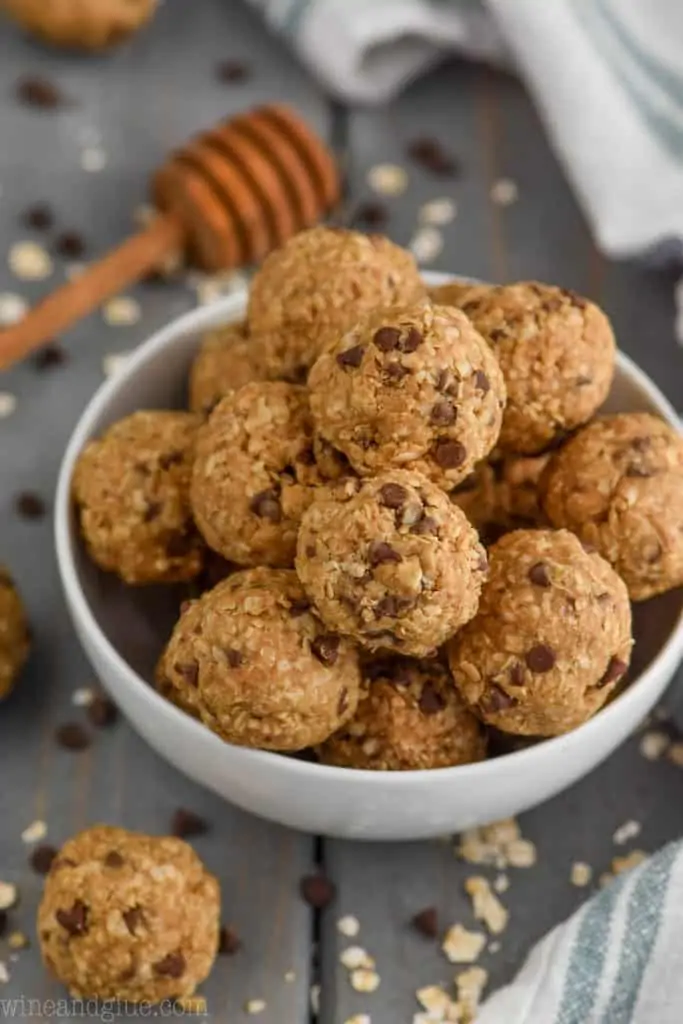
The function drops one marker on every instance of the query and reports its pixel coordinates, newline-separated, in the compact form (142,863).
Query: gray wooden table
(136,104)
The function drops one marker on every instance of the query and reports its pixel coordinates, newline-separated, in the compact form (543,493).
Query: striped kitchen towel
(607,77)
(618,960)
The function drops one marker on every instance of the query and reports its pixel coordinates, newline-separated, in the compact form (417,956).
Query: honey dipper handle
(63,308)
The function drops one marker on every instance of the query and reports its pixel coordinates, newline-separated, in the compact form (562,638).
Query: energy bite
(557,353)
(409,717)
(391,562)
(503,495)
(551,639)
(255,473)
(225,362)
(254,661)
(14,633)
(413,387)
(128,916)
(81,24)
(618,484)
(316,286)
(132,490)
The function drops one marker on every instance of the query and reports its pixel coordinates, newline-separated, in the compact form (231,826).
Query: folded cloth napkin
(606,75)
(618,960)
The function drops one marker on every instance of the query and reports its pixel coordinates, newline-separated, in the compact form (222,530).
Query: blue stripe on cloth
(642,927)
(668,80)
(295,16)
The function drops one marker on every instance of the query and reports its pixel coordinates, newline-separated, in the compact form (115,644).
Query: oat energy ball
(410,717)
(132,489)
(556,350)
(81,24)
(618,484)
(551,639)
(255,473)
(258,665)
(128,916)
(317,285)
(224,363)
(14,633)
(391,562)
(413,387)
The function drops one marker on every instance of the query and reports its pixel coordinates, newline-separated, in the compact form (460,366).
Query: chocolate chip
(412,341)
(449,454)
(128,974)
(430,154)
(229,941)
(574,298)
(29,505)
(49,357)
(426,922)
(114,860)
(75,920)
(430,701)
(172,966)
(39,92)
(152,511)
(266,505)
(70,244)
(188,671)
(540,658)
(168,459)
(351,357)
(72,736)
(132,918)
(443,414)
(615,670)
(380,552)
(185,824)
(318,891)
(234,657)
(516,674)
(425,527)
(497,699)
(102,712)
(481,382)
(393,495)
(392,606)
(370,214)
(343,702)
(232,71)
(42,859)
(540,574)
(497,334)
(387,339)
(38,216)
(396,372)
(299,606)
(326,648)
(583,381)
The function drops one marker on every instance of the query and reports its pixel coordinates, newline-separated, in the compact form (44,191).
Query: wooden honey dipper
(226,198)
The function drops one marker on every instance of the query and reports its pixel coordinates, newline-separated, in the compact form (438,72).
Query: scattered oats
(72,271)
(359,1018)
(30,262)
(495,946)
(4,973)
(8,895)
(653,745)
(629,830)
(489,844)
(17,940)
(314,998)
(354,957)
(501,883)
(194,1005)
(12,309)
(209,287)
(470,985)
(114,362)
(675,754)
(363,980)
(35,832)
(581,874)
(434,1000)
(504,192)
(121,311)
(290,976)
(8,404)
(388,179)
(144,214)
(255,1006)
(521,853)
(82,698)
(631,860)
(93,159)
(349,926)
(438,212)
(426,244)
(462,946)
(486,905)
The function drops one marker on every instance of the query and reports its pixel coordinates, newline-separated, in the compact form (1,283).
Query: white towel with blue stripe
(618,960)
(606,75)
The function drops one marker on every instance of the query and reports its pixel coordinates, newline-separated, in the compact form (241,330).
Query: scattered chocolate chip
(318,891)
(430,701)
(172,966)
(102,712)
(72,736)
(370,214)
(42,859)
(352,357)
(188,671)
(412,341)
(481,382)
(430,154)
(426,922)
(152,511)
(29,505)
(169,459)
(392,606)
(425,527)
(38,216)
(132,918)
(540,658)
(49,357)
(266,505)
(393,495)
(449,454)
(75,920)
(326,648)
(615,670)
(70,244)
(114,860)
(232,71)
(343,702)
(396,371)
(380,552)
(539,574)
(516,674)
(497,699)
(234,657)
(387,339)
(229,941)
(39,92)
(443,414)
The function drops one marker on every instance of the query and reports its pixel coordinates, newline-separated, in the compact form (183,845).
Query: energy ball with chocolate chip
(391,562)
(129,917)
(255,662)
(224,363)
(551,639)
(409,717)
(255,473)
(455,293)
(316,286)
(14,633)
(413,387)
(556,350)
(503,495)
(618,484)
(132,490)
(81,24)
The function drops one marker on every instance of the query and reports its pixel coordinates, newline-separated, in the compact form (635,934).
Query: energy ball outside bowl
(557,353)
(225,362)
(391,562)
(255,473)
(551,639)
(129,917)
(618,484)
(81,24)
(410,717)
(132,491)
(412,387)
(14,633)
(316,286)
(254,661)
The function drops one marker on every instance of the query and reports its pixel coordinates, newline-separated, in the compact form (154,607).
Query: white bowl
(123,630)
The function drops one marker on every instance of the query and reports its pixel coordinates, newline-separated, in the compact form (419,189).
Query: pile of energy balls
(423,533)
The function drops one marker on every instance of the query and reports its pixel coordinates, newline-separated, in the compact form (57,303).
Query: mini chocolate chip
(102,712)
(393,495)
(615,670)
(234,657)
(49,357)
(516,674)
(232,71)
(317,890)
(72,736)
(583,381)
(443,414)
(172,966)
(412,341)
(169,459)
(39,92)
(343,702)
(431,155)
(29,505)
(392,606)
(326,648)
(497,334)
(114,860)
(387,339)
(75,920)
(430,701)
(132,918)
(481,382)
(497,699)
(266,505)
(351,357)
(540,658)
(426,922)
(42,859)
(229,941)
(128,974)
(188,671)
(70,244)
(574,298)
(638,471)
(299,606)
(396,371)
(425,527)
(370,214)
(38,216)
(449,454)
(186,823)
(380,552)
(540,574)
(152,511)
